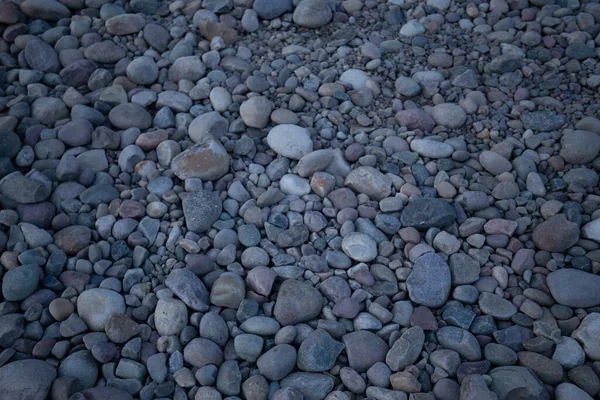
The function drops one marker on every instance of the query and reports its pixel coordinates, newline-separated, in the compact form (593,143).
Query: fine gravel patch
(299,199)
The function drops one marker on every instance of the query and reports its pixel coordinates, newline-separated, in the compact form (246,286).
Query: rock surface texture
(299,200)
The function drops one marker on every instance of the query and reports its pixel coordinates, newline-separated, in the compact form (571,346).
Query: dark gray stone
(427,213)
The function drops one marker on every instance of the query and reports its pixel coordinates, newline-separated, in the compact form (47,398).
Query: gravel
(299,199)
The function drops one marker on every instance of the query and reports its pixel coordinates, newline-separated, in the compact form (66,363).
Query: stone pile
(299,199)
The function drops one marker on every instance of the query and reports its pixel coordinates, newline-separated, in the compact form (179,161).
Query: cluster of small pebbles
(299,199)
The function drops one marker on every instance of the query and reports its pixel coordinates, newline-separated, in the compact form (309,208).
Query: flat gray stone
(26,380)
(574,288)
(429,281)
(189,288)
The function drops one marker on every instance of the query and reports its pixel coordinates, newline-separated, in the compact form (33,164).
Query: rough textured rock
(556,234)
(297,302)
(429,281)
(26,379)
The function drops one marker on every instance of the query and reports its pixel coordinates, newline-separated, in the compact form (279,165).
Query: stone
(76,133)
(574,288)
(212,29)
(249,347)
(278,362)
(120,328)
(24,190)
(96,306)
(496,306)
(297,302)
(270,9)
(474,387)
(130,115)
(587,334)
(106,393)
(556,234)
(549,371)
(412,28)
(407,86)
(80,365)
(189,68)
(369,181)
(568,391)
(431,148)
(26,379)
(312,14)
(105,52)
(125,24)
(406,350)
(461,341)
(290,141)
(201,210)
(170,317)
(359,247)
(206,125)
(41,56)
(517,382)
(364,349)
(355,78)
(20,282)
(416,118)
(569,353)
(543,121)
(142,70)
(318,352)
(426,213)
(228,291)
(449,115)
(73,239)
(49,110)
(50,10)
(591,230)
(207,160)
(494,163)
(189,288)
(200,352)
(229,378)
(579,147)
(406,382)
(255,111)
(429,282)
(313,386)
(9,144)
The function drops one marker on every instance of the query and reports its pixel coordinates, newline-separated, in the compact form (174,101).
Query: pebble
(96,306)
(201,210)
(556,234)
(297,302)
(431,149)
(318,352)
(574,288)
(27,377)
(290,141)
(312,14)
(359,247)
(255,111)
(429,281)
(278,362)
